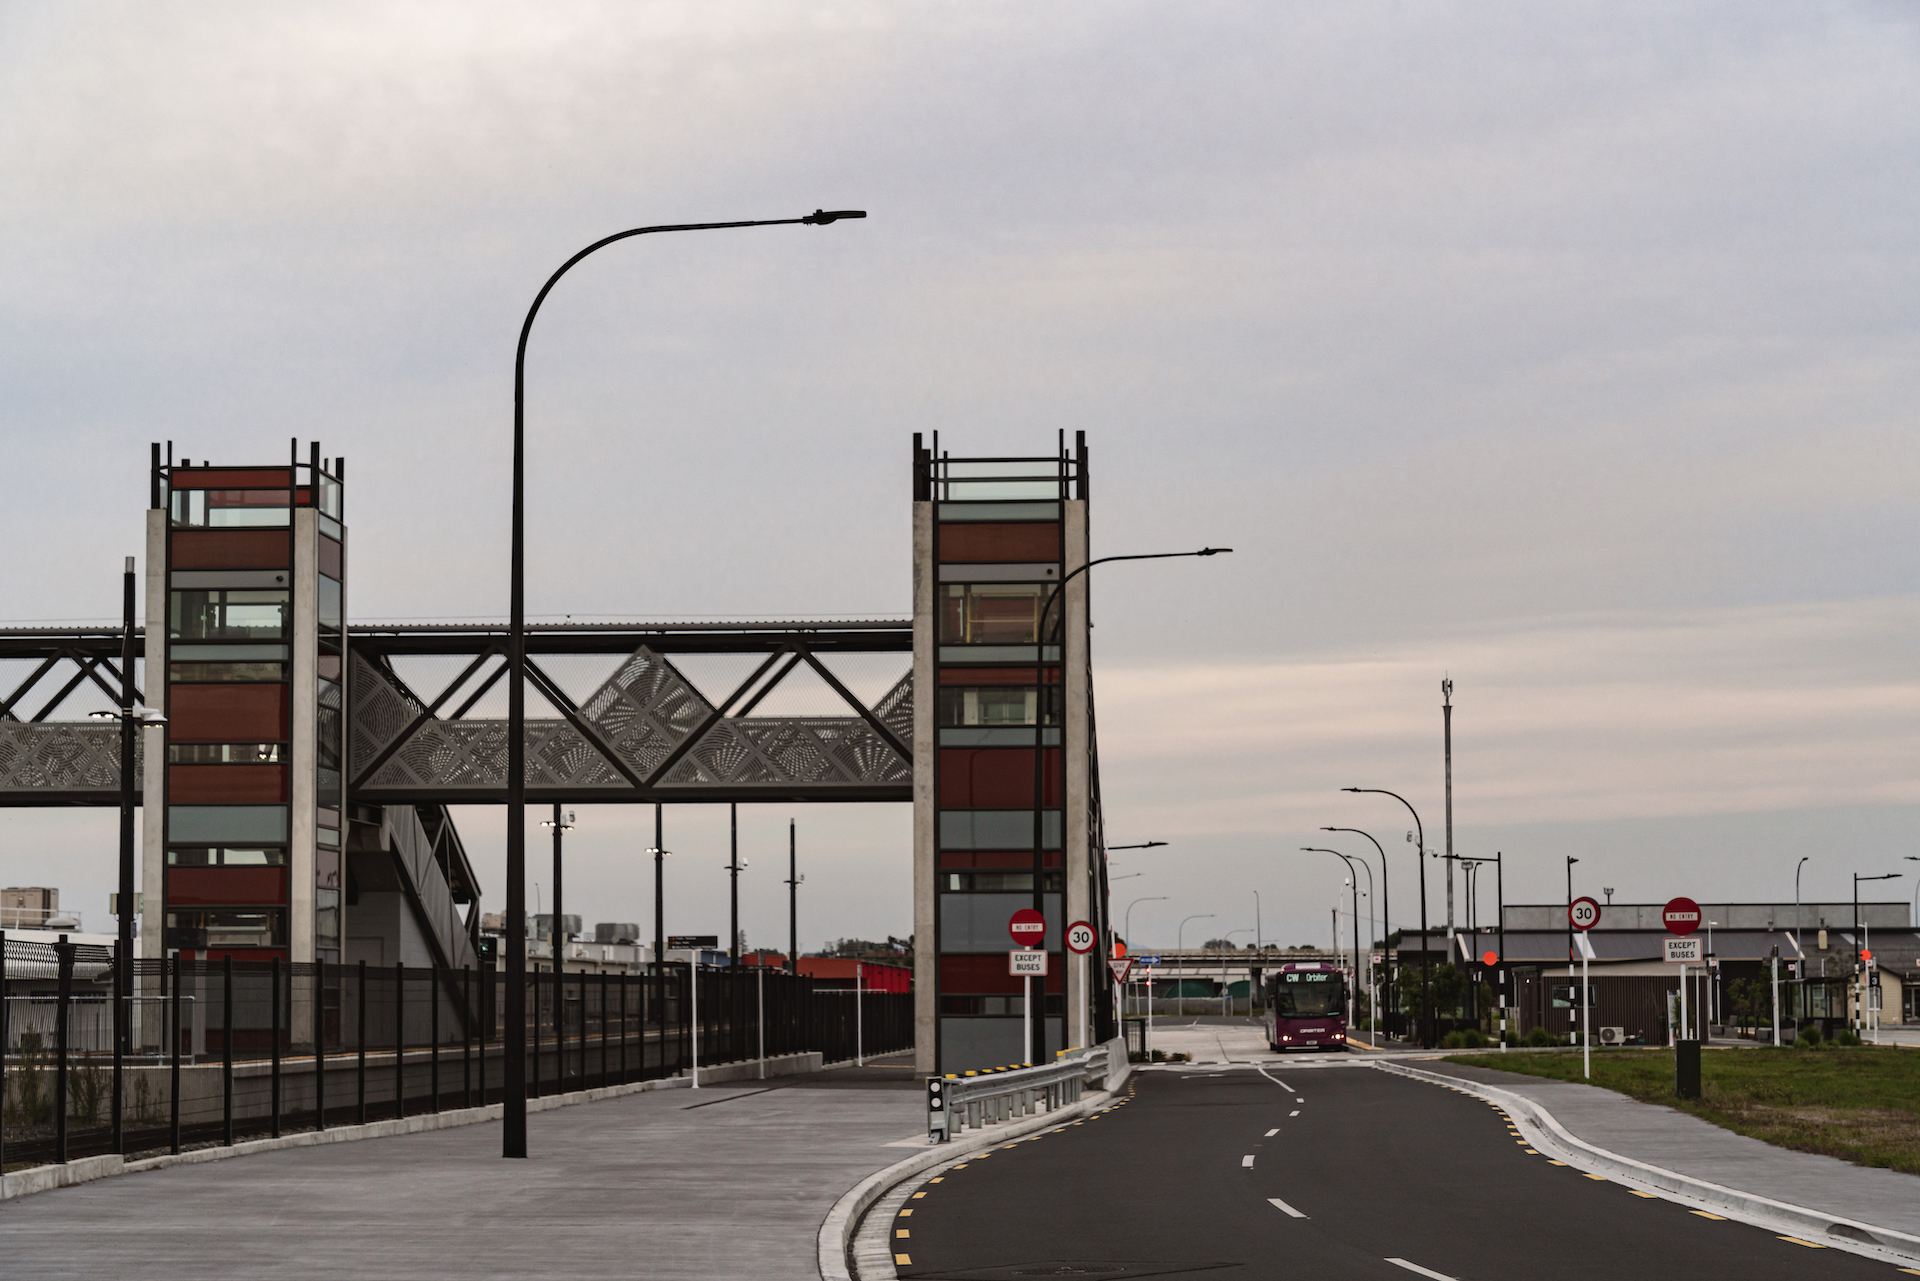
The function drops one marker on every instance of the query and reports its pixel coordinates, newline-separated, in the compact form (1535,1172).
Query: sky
(1568,352)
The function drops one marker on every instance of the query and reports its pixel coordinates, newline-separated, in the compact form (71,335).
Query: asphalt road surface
(1296,1171)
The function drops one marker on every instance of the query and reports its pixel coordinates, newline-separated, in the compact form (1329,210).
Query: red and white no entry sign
(1028,927)
(1681,915)
(1080,937)
(1583,913)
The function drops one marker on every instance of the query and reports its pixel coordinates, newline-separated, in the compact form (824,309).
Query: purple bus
(1307,1007)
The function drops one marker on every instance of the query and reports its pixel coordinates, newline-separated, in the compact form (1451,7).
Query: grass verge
(1861,1105)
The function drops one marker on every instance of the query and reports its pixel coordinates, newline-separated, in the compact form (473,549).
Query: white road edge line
(1425,1272)
(1275,1130)
(1246,1163)
(1276,1080)
(1284,1207)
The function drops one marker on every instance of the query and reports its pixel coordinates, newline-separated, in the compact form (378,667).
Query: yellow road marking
(902,1261)
(1638,1192)
(906,1212)
(1811,1245)
(1600,1178)
(918,1195)
(941,1179)
(1717,1218)
(901,1233)
(1529,1151)
(1551,1161)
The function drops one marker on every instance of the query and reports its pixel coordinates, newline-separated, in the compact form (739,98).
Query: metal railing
(212,1051)
(959,1102)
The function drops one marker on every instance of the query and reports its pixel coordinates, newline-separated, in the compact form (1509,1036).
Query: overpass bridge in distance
(329,749)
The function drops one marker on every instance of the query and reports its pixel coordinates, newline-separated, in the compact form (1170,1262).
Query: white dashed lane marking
(1272,1132)
(1295,1112)
(1246,1163)
(1416,1268)
(1284,1207)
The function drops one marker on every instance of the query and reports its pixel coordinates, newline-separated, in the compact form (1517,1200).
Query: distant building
(27,906)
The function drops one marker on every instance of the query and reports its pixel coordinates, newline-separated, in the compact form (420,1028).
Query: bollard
(63,952)
(226,1049)
(360,1046)
(174,1133)
(273,981)
(1686,1069)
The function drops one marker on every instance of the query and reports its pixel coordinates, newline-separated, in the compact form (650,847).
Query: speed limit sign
(1583,913)
(1080,937)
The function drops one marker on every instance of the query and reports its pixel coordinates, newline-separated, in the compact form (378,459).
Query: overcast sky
(1569,350)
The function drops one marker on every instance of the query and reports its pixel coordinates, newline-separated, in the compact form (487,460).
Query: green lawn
(1862,1105)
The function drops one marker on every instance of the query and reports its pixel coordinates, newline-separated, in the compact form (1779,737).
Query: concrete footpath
(1674,1140)
(730,1181)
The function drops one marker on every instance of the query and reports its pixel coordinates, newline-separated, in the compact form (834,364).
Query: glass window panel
(990,706)
(230,614)
(330,607)
(993,613)
(226,753)
(330,497)
(220,824)
(326,915)
(229,508)
(216,673)
(227,928)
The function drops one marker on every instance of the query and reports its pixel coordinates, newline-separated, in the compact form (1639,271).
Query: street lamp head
(1212,551)
(821,217)
(661,853)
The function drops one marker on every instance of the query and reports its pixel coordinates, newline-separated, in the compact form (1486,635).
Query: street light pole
(1354,878)
(1386,917)
(1420,859)
(558,936)
(1859,1000)
(513,1129)
(1179,945)
(1040,752)
(1800,955)
(1571,860)
(793,899)
(1127,918)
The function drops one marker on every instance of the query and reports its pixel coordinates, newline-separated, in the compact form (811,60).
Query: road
(1313,1170)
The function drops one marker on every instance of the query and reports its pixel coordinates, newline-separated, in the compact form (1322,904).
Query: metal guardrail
(968,1101)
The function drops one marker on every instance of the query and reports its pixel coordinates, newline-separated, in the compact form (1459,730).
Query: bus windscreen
(1307,996)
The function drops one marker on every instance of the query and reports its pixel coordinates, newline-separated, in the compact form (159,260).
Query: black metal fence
(214,1052)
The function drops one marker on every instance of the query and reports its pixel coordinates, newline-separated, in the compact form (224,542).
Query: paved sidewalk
(1677,1141)
(728,1182)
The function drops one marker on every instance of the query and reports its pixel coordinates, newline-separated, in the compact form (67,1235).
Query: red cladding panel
(227,478)
(227,784)
(994,676)
(232,549)
(987,976)
(1010,859)
(991,543)
(225,886)
(331,559)
(229,714)
(995,777)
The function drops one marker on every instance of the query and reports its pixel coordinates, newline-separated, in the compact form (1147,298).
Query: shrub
(1541,1037)
(1808,1038)
(1847,1036)
(1464,1039)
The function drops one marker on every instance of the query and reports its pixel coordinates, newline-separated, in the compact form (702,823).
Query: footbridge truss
(646,734)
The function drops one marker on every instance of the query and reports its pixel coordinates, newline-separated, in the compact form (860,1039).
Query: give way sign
(1028,927)
(1120,965)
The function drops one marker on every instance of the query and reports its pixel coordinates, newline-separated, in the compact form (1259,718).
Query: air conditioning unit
(1613,1036)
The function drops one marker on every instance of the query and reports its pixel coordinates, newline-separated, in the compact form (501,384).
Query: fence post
(534,978)
(399,1039)
(120,959)
(226,1050)
(603,1028)
(63,952)
(174,1003)
(5,1033)
(273,981)
(467,1036)
(433,1033)
(360,1043)
(317,999)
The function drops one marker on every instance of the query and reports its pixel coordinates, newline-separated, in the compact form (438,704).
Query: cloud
(1680,713)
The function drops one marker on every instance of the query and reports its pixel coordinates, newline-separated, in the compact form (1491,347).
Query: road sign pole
(1774,964)
(1026,1007)
(1586,1031)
